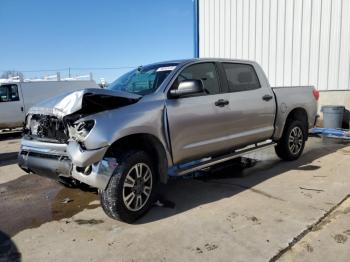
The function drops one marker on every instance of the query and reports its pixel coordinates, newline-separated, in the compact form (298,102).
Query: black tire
(114,200)
(284,148)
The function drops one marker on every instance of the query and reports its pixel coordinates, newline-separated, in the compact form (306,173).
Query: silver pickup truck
(181,115)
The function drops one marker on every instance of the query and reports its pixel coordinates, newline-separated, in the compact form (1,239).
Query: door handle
(222,102)
(267,97)
(22,108)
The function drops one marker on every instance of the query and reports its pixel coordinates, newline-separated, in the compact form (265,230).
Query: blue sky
(42,34)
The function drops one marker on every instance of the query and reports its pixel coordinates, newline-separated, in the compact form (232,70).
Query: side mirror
(188,87)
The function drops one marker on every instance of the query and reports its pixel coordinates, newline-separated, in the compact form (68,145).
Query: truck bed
(290,97)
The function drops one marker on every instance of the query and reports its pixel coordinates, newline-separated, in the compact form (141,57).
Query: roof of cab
(185,61)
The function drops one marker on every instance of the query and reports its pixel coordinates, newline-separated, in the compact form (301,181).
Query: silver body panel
(289,98)
(187,128)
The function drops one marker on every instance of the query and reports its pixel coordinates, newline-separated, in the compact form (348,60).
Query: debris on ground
(88,221)
(339,238)
(347,232)
(66,200)
(162,202)
(311,189)
(254,219)
(199,251)
(335,133)
(246,162)
(158,203)
(210,247)
(308,247)
(207,247)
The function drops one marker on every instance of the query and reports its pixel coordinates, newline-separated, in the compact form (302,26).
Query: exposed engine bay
(45,128)
(56,121)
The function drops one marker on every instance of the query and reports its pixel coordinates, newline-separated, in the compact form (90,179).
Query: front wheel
(292,142)
(131,189)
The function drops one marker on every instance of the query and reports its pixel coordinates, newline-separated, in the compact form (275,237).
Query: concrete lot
(288,211)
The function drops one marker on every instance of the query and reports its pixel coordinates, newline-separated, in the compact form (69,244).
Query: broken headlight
(79,131)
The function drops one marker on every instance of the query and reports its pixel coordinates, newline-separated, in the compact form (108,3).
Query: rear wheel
(292,142)
(131,189)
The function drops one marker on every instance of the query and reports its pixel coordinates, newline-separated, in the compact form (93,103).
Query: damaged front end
(45,128)
(54,135)
(57,119)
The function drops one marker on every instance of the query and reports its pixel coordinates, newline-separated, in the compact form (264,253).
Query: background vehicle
(17,97)
(124,140)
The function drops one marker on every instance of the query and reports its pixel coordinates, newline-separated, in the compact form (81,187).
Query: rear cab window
(241,77)
(9,93)
(206,72)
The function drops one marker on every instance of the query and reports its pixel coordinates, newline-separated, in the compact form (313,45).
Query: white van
(17,97)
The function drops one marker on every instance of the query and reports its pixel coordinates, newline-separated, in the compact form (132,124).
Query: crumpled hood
(90,100)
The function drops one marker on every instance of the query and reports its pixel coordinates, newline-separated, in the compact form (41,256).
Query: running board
(224,158)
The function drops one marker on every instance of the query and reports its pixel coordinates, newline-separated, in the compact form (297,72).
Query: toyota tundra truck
(182,116)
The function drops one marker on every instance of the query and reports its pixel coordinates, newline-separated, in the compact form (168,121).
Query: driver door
(197,123)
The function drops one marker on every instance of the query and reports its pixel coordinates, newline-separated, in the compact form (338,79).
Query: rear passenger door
(251,105)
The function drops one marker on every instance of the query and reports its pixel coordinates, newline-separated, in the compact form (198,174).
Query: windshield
(143,80)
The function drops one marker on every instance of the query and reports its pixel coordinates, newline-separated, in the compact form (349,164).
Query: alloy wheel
(295,140)
(137,187)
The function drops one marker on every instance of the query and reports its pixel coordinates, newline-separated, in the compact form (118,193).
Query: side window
(241,77)
(203,71)
(9,93)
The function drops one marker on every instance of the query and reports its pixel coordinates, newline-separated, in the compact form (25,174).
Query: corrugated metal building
(297,42)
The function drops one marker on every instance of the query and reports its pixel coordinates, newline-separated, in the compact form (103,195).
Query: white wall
(297,42)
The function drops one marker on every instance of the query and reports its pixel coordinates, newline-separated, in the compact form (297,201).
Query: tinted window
(205,72)
(8,93)
(241,77)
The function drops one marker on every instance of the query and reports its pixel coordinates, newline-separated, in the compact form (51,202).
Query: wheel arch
(298,113)
(149,143)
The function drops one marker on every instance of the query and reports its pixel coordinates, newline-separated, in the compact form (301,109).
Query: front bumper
(61,160)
